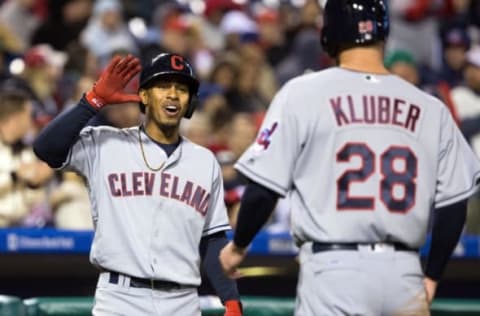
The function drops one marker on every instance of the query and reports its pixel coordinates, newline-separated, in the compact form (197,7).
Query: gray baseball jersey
(149,224)
(363,157)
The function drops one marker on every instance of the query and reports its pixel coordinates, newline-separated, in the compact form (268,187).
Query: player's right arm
(258,203)
(55,140)
(279,136)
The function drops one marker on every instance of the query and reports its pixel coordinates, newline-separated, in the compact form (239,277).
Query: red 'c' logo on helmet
(177,62)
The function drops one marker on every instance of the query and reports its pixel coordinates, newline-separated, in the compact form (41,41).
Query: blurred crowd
(51,52)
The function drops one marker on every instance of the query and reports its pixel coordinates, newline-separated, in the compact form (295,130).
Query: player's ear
(143,96)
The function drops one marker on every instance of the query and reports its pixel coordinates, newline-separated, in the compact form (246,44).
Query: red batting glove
(233,308)
(108,89)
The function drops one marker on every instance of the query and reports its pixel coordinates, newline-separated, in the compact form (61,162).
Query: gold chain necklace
(144,156)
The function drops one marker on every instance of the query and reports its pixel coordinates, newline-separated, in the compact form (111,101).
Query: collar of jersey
(168,148)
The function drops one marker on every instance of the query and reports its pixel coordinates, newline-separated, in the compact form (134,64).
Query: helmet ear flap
(192,105)
(142,107)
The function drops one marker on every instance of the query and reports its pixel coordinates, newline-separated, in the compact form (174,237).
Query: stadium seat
(452,307)
(11,306)
(56,306)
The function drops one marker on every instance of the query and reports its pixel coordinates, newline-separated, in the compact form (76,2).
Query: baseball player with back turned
(157,198)
(365,157)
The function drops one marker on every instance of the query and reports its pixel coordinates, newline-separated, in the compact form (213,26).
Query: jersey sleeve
(216,218)
(81,154)
(458,171)
(270,160)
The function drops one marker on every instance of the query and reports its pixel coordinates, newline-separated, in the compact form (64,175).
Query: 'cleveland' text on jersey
(139,183)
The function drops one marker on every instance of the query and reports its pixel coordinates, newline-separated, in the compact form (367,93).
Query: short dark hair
(12,102)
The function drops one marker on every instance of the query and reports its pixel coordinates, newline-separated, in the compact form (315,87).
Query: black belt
(148,283)
(320,246)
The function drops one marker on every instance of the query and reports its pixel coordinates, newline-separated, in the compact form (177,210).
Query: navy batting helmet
(349,23)
(168,66)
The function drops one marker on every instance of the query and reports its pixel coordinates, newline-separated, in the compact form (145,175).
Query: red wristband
(233,308)
(94,100)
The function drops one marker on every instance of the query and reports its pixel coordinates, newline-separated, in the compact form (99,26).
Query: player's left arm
(225,288)
(448,222)
(213,240)
(458,175)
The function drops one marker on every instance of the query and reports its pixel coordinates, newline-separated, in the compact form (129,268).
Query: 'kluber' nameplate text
(375,110)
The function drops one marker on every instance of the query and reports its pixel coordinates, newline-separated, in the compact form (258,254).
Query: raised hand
(109,88)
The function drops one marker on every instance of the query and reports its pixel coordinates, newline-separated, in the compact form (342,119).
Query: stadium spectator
(66,20)
(211,99)
(237,26)
(80,63)
(455,43)
(412,21)
(473,16)
(20,19)
(255,83)
(71,204)
(82,85)
(467,104)
(225,71)
(305,55)
(43,73)
(271,35)
(175,30)
(10,43)
(467,99)
(107,31)
(23,178)
(243,131)
(215,11)
(402,64)
(197,128)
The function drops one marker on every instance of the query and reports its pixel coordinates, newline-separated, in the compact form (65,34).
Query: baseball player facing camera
(157,198)
(366,157)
